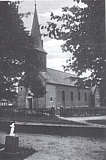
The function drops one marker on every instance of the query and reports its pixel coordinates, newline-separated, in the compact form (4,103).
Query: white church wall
(69,102)
(50,95)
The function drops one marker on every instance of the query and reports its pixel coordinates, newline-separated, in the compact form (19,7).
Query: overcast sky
(55,57)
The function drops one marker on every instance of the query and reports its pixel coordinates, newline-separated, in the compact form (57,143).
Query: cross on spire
(35,2)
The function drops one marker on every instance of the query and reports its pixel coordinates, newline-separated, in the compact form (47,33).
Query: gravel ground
(62,148)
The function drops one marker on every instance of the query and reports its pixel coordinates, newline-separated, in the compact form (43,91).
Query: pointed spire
(35,32)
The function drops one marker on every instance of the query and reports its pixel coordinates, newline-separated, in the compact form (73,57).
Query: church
(60,86)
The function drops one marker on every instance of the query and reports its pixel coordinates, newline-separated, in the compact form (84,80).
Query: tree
(83,33)
(32,78)
(15,47)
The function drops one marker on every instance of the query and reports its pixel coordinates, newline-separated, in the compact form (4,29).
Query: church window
(79,96)
(63,95)
(85,96)
(51,98)
(72,96)
(63,98)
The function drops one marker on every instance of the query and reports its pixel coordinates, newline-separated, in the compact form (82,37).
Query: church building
(60,86)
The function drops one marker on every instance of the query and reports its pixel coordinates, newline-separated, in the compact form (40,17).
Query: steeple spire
(35,32)
(37,41)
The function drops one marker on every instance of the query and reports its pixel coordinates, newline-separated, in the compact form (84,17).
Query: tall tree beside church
(15,47)
(83,33)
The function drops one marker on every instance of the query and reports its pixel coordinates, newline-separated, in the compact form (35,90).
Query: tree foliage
(83,31)
(15,47)
(32,78)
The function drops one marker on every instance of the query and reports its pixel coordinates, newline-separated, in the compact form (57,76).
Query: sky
(55,57)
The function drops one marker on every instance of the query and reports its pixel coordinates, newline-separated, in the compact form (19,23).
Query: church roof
(61,78)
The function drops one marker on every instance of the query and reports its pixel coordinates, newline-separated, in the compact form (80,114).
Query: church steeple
(35,33)
(37,41)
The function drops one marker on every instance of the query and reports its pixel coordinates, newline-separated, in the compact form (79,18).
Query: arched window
(51,98)
(85,96)
(63,98)
(79,96)
(63,95)
(72,96)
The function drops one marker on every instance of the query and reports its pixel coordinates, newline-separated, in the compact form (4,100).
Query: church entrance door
(30,103)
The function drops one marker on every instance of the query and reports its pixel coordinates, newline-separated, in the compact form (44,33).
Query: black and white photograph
(52,80)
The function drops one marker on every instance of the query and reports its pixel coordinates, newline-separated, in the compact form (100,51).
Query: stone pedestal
(11,147)
(11,144)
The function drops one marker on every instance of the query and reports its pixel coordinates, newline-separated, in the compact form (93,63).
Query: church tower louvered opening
(38,42)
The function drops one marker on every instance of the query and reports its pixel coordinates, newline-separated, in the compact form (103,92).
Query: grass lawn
(50,147)
(23,153)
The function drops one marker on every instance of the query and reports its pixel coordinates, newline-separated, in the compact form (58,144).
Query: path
(85,119)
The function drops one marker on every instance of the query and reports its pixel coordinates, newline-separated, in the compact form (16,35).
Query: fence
(82,111)
(15,113)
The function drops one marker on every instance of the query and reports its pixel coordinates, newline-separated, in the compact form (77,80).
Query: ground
(62,148)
